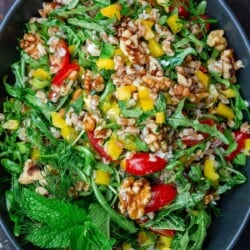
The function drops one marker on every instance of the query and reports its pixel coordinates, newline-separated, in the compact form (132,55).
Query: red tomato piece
(62,74)
(162,195)
(143,163)
(240,138)
(163,232)
(182,12)
(97,147)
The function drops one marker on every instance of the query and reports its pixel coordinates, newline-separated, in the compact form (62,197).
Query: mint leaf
(52,212)
(100,218)
(47,237)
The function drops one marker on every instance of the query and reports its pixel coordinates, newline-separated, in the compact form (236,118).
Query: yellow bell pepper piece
(112,11)
(102,177)
(127,246)
(114,148)
(174,23)
(246,149)
(11,125)
(105,63)
(160,117)
(57,120)
(209,170)
(68,133)
(35,154)
(165,241)
(148,24)
(155,48)
(114,111)
(203,78)
(105,106)
(72,48)
(225,111)
(123,93)
(143,92)
(123,164)
(146,101)
(41,74)
(228,93)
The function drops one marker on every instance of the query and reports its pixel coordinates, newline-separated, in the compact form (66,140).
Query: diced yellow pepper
(209,170)
(146,104)
(160,117)
(155,48)
(105,106)
(11,125)
(148,24)
(35,154)
(166,241)
(102,177)
(114,111)
(68,133)
(72,48)
(112,11)
(105,63)
(146,101)
(203,78)
(225,111)
(127,246)
(57,120)
(41,74)
(174,23)
(246,149)
(143,92)
(114,148)
(123,93)
(123,164)
(228,93)
(162,247)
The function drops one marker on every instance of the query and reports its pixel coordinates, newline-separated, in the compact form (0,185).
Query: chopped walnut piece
(47,8)
(93,82)
(134,195)
(30,174)
(215,39)
(33,45)
(211,197)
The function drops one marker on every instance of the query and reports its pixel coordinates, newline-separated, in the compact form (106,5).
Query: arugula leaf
(132,113)
(240,159)
(107,50)
(119,219)
(179,120)
(161,104)
(170,222)
(171,62)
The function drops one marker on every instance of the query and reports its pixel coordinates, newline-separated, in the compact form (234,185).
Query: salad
(123,127)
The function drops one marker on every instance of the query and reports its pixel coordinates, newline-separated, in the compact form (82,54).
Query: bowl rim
(246,40)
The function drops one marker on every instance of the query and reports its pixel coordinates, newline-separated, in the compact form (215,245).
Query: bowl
(235,205)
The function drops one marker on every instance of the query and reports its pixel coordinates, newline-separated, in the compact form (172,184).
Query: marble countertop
(241,9)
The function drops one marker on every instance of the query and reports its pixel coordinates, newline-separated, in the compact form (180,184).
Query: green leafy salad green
(123,126)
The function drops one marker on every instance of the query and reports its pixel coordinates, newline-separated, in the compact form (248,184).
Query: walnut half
(33,45)
(217,40)
(134,195)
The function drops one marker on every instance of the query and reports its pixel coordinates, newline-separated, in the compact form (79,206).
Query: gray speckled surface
(241,9)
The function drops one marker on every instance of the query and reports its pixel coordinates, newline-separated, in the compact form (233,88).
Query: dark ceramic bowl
(235,205)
